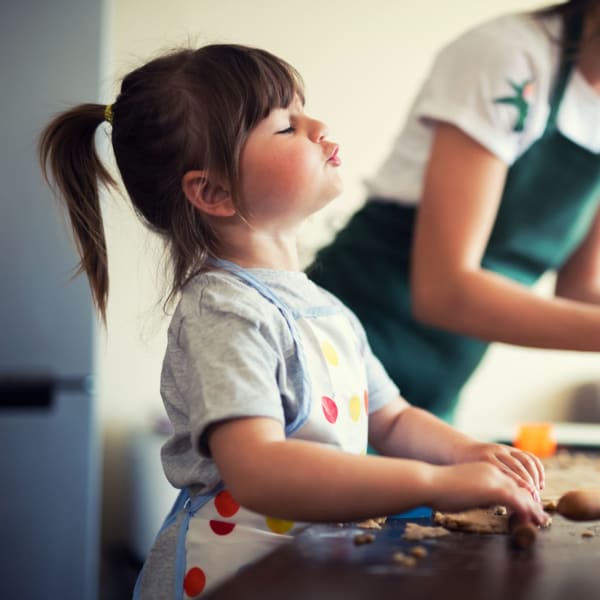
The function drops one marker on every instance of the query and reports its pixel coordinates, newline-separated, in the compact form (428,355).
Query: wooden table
(323,562)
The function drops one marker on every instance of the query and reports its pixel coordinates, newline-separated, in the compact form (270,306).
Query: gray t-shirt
(231,354)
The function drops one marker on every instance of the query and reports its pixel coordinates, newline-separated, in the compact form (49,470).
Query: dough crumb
(363,538)
(403,559)
(418,551)
(376,523)
(549,505)
(587,533)
(500,511)
(413,531)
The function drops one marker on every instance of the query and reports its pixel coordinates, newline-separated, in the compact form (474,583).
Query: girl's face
(288,169)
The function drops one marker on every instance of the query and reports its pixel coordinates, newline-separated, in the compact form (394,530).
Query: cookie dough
(477,520)
(376,523)
(413,531)
(580,505)
(363,538)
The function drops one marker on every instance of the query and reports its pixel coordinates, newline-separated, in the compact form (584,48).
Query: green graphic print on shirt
(521,99)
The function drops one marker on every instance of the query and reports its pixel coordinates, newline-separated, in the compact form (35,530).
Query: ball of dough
(580,505)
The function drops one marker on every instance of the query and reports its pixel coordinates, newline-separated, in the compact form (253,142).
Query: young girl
(268,380)
(494,179)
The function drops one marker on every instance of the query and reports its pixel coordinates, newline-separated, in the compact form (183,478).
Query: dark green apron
(549,201)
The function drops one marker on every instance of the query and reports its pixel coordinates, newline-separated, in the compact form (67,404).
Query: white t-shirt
(490,62)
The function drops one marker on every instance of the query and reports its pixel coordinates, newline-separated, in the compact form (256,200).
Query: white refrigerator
(50,57)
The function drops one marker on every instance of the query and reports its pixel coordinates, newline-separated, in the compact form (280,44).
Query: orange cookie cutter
(537,438)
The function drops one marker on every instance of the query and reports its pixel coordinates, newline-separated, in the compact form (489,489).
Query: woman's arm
(307,481)
(579,278)
(463,188)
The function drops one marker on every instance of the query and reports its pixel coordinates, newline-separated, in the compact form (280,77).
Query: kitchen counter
(323,562)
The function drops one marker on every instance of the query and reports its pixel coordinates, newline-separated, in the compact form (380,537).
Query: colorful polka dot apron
(217,536)
(549,201)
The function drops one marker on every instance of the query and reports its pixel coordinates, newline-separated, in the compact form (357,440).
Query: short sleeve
(230,355)
(491,85)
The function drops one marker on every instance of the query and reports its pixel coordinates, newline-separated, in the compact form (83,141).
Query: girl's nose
(318,131)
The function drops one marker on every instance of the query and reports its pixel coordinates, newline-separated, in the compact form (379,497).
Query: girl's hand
(524,468)
(467,485)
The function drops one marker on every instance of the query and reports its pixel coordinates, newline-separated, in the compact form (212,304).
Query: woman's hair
(569,10)
(187,110)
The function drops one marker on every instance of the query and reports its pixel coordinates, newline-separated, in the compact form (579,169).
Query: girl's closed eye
(288,129)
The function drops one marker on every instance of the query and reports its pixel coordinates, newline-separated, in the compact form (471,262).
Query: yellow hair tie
(108,113)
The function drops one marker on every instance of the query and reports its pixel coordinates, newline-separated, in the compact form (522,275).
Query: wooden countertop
(323,562)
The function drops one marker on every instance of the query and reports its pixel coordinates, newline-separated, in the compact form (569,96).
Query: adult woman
(500,153)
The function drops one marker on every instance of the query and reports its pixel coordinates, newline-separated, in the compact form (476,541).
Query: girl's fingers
(531,464)
(517,471)
(540,469)
(527,509)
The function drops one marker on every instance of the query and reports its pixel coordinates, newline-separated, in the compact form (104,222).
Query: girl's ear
(207,196)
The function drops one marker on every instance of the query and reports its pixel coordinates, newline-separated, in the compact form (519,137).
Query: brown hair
(189,109)
(571,9)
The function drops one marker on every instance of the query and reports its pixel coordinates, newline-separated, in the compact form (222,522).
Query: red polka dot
(330,409)
(194,581)
(225,504)
(366,398)
(221,527)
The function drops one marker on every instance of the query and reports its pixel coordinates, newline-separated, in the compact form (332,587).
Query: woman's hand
(522,467)
(463,486)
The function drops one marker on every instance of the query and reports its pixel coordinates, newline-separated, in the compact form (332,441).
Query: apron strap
(245,276)
(573,25)
(181,502)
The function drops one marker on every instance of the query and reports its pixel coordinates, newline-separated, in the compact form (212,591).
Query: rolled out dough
(476,520)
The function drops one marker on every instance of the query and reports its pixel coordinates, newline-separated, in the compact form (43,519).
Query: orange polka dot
(330,409)
(366,400)
(279,525)
(194,581)
(221,527)
(225,504)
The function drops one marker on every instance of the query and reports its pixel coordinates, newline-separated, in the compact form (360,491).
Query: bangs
(267,82)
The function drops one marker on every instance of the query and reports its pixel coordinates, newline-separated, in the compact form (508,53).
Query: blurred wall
(362,63)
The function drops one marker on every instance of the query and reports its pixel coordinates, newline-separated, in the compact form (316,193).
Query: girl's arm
(463,188)
(308,481)
(579,278)
(399,429)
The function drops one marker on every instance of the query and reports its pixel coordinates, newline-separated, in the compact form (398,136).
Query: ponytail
(68,157)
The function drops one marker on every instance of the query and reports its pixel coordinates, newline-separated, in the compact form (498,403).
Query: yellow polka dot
(355,408)
(330,354)
(279,525)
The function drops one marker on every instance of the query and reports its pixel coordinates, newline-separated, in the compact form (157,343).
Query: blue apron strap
(178,505)
(245,276)
(190,508)
(183,502)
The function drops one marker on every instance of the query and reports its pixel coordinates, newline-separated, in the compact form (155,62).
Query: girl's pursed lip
(334,159)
